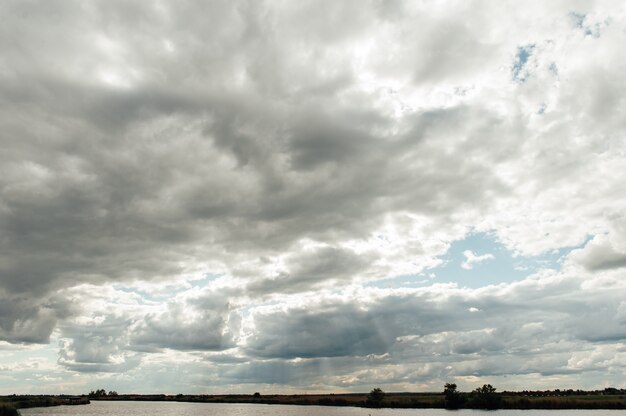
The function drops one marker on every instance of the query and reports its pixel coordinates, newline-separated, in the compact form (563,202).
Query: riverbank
(9,405)
(512,400)
(506,400)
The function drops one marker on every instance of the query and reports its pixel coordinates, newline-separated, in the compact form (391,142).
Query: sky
(276,196)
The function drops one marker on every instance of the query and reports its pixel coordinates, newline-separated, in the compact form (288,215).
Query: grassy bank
(397,400)
(505,400)
(6,410)
(565,402)
(10,404)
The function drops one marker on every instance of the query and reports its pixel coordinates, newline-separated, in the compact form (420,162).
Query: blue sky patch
(579,19)
(581,22)
(169,291)
(520,74)
(498,264)
(492,263)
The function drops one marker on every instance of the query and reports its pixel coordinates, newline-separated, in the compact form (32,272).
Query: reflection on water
(218,409)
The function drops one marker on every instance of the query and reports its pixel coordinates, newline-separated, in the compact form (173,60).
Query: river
(121,408)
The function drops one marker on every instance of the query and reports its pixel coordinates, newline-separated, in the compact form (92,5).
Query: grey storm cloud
(315,268)
(198,324)
(20,321)
(513,321)
(101,183)
(229,181)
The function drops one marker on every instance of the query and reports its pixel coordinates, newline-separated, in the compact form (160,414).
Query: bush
(452,397)
(375,398)
(485,397)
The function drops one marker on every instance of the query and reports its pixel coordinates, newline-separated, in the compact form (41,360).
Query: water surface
(121,408)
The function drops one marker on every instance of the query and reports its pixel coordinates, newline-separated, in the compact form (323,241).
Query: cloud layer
(261,192)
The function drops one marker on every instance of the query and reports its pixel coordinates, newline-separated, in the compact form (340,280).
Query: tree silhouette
(98,393)
(452,398)
(375,398)
(485,397)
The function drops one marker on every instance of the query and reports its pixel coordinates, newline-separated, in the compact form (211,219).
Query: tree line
(101,393)
(484,397)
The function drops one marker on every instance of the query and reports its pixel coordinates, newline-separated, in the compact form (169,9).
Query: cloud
(313,268)
(243,177)
(31,320)
(603,251)
(471,259)
(535,324)
(97,346)
(335,330)
(196,323)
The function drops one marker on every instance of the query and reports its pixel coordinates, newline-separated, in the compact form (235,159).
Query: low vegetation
(485,397)
(10,404)
(6,410)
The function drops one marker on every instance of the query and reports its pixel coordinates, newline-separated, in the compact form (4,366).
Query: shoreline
(507,400)
(9,405)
